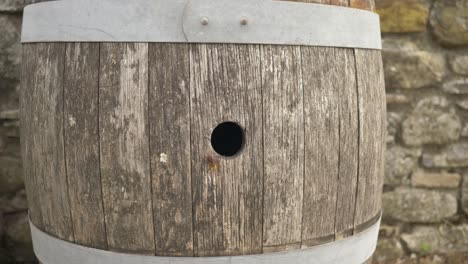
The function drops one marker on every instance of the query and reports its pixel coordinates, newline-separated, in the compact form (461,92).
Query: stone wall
(15,242)
(426,186)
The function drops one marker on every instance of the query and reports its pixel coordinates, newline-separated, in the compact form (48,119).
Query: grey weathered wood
(28,126)
(361,4)
(339,2)
(43,144)
(325,2)
(283,132)
(169,117)
(380,86)
(81,81)
(311,169)
(225,86)
(371,96)
(125,164)
(348,146)
(321,121)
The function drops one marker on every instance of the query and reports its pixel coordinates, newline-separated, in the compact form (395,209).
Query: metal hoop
(201,21)
(353,250)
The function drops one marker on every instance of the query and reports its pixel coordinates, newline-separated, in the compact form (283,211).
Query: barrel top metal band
(201,21)
(352,250)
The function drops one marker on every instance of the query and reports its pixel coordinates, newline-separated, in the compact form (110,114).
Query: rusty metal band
(201,21)
(352,250)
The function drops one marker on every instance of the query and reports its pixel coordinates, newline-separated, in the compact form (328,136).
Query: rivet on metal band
(201,21)
(352,250)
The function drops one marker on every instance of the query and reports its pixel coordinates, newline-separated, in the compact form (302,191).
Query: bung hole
(227,139)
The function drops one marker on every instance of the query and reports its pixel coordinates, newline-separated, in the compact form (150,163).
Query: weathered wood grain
(125,162)
(371,96)
(43,145)
(225,86)
(310,172)
(348,146)
(321,74)
(81,92)
(169,115)
(339,2)
(309,1)
(380,84)
(360,4)
(283,132)
(325,2)
(28,127)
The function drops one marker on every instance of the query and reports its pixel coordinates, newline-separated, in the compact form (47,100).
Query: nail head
(244,21)
(204,21)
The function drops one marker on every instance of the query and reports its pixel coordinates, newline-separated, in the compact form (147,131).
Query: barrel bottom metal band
(352,250)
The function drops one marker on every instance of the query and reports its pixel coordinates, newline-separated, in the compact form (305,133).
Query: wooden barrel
(199,149)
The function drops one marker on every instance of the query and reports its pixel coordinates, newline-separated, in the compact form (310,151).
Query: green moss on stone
(425,248)
(403,16)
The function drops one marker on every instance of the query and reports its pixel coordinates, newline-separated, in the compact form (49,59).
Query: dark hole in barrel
(227,139)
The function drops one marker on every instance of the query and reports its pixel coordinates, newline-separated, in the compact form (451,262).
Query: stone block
(18,237)
(464,193)
(449,21)
(393,126)
(437,240)
(13,203)
(9,114)
(11,175)
(433,121)
(421,178)
(388,250)
(397,99)
(12,5)
(408,67)
(10,48)
(456,86)
(452,156)
(463,104)
(418,205)
(399,164)
(401,16)
(459,64)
